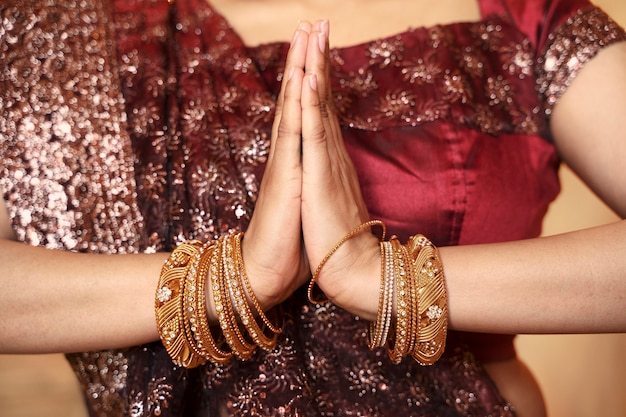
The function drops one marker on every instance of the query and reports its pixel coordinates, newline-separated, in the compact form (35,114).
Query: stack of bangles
(180,305)
(412,280)
(412,314)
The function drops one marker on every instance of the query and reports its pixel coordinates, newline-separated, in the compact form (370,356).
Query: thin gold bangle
(330,253)
(204,336)
(379,330)
(241,300)
(230,326)
(248,288)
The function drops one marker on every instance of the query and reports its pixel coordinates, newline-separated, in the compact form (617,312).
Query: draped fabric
(130,126)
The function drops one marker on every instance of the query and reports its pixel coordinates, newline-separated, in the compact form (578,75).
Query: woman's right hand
(273,249)
(332,202)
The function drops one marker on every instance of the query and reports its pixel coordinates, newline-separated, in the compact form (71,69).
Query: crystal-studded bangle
(398,346)
(240,346)
(190,312)
(413,299)
(379,330)
(240,297)
(433,303)
(169,304)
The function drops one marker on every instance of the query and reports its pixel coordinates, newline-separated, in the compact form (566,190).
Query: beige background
(581,375)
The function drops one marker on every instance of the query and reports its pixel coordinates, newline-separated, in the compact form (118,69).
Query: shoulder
(535,18)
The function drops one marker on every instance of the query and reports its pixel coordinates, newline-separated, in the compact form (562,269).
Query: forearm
(570,283)
(55,301)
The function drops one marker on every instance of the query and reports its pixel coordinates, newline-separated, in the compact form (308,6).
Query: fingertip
(325,27)
(304,25)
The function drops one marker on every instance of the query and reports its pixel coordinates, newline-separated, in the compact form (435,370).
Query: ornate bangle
(190,312)
(433,304)
(181,311)
(413,299)
(398,346)
(169,304)
(412,274)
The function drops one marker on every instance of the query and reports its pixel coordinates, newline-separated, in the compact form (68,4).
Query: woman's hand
(332,204)
(272,247)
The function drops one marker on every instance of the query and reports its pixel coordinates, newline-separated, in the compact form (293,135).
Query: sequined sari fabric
(129,126)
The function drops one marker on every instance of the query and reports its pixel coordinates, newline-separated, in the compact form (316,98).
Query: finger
(316,60)
(281,184)
(318,63)
(295,61)
(282,179)
(315,157)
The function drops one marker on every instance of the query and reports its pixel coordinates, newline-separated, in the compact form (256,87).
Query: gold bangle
(433,308)
(241,303)
(228,320)
(398,346)
(208,345)
(248,288)
(334,249)
(169,304)
(189,310)
(414,299)
(379,330)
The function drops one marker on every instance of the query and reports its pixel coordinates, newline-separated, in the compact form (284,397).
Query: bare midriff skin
(353,22)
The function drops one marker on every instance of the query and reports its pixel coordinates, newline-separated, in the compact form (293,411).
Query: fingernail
(322,41)
(313,82)
(290,73)
(325,26)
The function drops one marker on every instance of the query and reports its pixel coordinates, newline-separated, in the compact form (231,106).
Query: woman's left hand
(332,204)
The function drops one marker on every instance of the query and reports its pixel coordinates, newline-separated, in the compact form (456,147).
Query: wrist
(352,282)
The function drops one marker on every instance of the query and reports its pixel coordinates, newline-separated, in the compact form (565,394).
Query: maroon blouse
(129,126)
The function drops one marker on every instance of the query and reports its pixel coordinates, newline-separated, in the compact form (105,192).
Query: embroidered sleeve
(569,47)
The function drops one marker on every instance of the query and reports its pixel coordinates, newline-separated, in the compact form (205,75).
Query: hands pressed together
(310,214)
(310,195)
(308,202)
